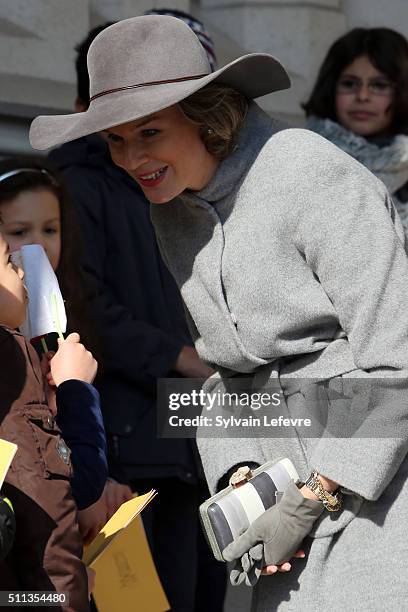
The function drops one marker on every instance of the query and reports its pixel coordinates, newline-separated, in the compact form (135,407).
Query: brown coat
(47,548)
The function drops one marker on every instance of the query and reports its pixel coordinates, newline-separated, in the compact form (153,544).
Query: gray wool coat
(292,266)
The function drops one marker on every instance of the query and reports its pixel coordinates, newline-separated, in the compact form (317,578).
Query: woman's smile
(152,179)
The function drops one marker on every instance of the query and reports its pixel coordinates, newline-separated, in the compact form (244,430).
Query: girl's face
(364,98)
(33,217)
(13,294)
(163,153)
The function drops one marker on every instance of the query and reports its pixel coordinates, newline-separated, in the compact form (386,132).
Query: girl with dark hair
(360,103)
(35,210)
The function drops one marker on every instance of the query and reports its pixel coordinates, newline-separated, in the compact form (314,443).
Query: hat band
(179,80)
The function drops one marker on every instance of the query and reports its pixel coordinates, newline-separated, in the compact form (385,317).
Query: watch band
(331,501)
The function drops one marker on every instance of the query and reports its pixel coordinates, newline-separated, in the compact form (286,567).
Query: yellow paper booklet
(7,452)
(126,578)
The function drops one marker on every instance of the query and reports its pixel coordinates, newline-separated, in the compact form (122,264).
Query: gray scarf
(389,163)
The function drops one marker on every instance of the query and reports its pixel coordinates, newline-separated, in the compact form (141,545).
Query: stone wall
(297,33)
(37,40)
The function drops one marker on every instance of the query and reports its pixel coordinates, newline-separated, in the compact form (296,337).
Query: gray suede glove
(281,529)
(249,567)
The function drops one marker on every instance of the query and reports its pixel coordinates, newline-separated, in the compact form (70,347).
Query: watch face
(311,483)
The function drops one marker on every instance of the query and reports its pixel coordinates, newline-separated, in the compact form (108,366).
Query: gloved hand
(249,567)
(280,529)
(7,526)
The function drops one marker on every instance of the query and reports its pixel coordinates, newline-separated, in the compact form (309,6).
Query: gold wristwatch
(331,501)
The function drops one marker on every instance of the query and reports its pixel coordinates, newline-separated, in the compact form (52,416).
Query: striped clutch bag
(226,515)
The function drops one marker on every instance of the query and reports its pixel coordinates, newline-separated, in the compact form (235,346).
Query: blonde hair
(219,111)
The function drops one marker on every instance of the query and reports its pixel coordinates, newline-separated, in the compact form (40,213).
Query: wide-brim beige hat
(140,66)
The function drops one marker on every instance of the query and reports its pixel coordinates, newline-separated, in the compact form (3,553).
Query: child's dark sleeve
(80,419)
(7,527)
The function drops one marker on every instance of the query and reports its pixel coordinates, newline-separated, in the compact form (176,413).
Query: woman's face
(163,153)
(364,98)
(33,217)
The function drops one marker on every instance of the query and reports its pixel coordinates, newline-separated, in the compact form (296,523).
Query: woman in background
(360,103)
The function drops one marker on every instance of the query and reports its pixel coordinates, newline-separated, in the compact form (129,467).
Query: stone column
(37,42)
(297,32)
(377,13)
(113,10)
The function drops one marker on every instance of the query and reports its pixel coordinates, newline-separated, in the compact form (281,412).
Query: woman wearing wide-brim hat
(290,259)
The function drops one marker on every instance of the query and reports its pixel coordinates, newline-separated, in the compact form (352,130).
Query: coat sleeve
(80,419)
(134,348)
(350,235)
(221,455)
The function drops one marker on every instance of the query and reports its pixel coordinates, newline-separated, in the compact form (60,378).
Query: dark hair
(387,51)
(70,275)
(81,65)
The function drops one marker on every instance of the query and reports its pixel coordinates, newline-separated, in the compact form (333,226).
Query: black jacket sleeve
(135,349)
(80,419)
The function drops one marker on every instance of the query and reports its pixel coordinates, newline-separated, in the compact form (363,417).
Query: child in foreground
(35,210)
(47,550)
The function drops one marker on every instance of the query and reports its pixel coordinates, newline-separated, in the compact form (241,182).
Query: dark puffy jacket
(47,549)
(138,310)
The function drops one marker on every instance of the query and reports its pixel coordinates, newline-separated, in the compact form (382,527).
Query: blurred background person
(360,103)
(144,337)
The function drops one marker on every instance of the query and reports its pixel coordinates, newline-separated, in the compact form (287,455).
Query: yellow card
(126,578)
(121,519)
(7,452)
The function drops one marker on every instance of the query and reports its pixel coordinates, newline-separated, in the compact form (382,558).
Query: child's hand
(115,495)
(189,364)
(72,362)
(92,519)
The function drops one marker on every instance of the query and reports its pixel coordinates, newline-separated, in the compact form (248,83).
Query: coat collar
(255,131)
(190,232)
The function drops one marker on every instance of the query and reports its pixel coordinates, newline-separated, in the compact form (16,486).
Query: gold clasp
(241,476)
